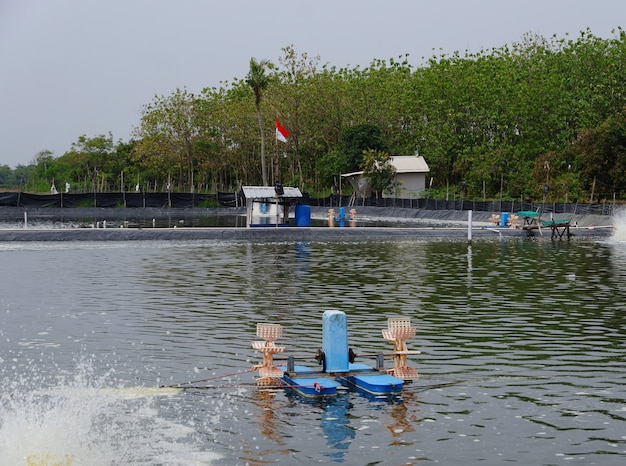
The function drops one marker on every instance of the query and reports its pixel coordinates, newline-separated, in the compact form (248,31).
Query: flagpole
(284,134)
(275,155)
(274,168)
(276,174)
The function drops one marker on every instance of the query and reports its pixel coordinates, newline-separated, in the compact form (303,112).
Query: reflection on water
(523,350)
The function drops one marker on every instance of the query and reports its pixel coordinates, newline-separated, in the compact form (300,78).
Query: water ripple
(523,348)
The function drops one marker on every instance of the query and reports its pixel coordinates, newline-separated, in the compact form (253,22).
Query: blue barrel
(335,341)
(303,215)
(504,219)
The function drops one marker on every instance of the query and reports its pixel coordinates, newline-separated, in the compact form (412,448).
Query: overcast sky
(73,67)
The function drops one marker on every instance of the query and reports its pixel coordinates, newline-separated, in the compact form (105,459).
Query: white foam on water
(619,230)
(83,421)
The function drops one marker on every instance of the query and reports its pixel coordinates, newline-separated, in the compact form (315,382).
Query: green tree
(23,175)
(88,157)
(488,119)
(357,139)
(293,90)
(228,138)
(39,181)
(5,176)
(321,124)
(602,156)
(381,173)
(258,80)
(167,136)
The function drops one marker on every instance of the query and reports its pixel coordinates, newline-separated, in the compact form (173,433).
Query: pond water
(523,352)
(178,221)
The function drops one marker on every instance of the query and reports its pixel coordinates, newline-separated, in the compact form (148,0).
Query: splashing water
(84,421)
(619,231)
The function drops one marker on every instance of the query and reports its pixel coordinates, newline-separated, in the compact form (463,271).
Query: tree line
(542,117)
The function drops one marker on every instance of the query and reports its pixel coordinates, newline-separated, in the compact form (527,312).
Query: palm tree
(258,81)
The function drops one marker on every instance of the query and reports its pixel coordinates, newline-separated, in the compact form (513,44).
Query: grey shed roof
(261,192)
(409,164)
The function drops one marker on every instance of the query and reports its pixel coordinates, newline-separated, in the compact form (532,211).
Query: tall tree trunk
(263,163)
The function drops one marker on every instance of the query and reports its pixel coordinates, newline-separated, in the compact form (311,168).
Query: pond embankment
(398,224)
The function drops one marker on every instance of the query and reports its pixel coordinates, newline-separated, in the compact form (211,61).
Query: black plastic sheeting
(480,206)
(192,200)
(108,200)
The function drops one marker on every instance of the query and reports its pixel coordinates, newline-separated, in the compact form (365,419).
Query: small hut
(411,171)
(269,205)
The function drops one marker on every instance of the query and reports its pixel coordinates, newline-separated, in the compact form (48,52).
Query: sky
(87,67)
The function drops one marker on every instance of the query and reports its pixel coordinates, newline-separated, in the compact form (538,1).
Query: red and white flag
(281,133)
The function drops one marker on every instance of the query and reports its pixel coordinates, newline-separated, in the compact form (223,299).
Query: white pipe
(469,226)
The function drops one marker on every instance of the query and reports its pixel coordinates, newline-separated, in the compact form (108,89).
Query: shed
(411,171)
(269,205)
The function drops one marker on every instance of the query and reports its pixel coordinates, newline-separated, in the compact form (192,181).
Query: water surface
(523,351)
